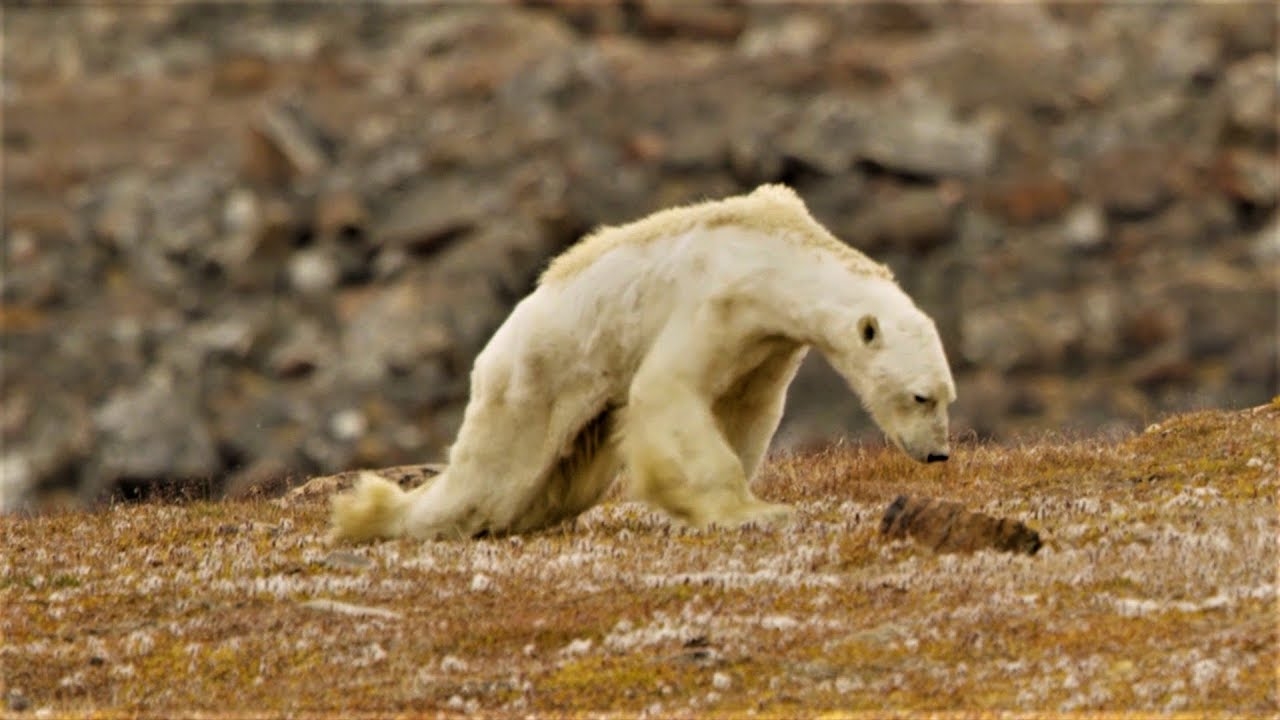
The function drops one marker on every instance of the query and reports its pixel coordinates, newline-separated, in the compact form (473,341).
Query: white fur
(666,346)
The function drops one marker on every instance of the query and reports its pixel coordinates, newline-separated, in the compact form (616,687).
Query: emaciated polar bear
(666,346)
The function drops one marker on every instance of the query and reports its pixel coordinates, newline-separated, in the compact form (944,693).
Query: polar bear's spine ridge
(374,509)
(771,210)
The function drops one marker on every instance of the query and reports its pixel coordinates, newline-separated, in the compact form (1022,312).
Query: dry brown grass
(1156,590)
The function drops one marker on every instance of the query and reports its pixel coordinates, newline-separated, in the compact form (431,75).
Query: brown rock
(1250,176)
(915,220)
(432,214)
(1251,95)
(242,75)
(695,20)
(1028,199)
(283,143)
(946,527)
(1131,182)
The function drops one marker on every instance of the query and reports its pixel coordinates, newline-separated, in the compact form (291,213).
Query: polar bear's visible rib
(772,210)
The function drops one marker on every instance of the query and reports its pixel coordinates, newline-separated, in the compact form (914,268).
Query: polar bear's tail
(375,508)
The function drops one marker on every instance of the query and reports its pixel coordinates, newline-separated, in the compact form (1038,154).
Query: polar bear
(666,346)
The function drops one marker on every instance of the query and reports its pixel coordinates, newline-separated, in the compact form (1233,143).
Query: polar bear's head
(900,372)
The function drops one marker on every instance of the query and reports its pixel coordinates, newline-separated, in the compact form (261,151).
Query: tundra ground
(1155,591)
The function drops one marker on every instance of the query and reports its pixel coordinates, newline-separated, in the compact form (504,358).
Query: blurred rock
(242,75)
(696,20)
(1028,199)
(313,272)
(400,328)
(1132,182)
(341,213)
(794,35)
(1252,87)
(919,135)
(285,142)
(913,220)
(1084,227)
(827,135)
(153,434)
(45,443)
(1253,177)
(431,214)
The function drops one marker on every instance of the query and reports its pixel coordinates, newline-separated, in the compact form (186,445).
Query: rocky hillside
(1154,592)
(249,242)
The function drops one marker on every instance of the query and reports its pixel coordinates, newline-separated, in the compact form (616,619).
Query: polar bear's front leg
(680,461)
(749,412)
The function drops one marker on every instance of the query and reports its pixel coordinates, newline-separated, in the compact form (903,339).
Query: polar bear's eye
(921,399)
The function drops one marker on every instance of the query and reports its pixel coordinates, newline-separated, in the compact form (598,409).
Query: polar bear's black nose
(937,457)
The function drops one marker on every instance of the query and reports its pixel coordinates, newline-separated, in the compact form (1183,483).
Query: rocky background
(248,242)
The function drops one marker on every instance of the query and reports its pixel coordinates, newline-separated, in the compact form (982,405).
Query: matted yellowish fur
(771,209)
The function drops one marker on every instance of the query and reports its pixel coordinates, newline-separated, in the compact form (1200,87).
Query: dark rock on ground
(946,527)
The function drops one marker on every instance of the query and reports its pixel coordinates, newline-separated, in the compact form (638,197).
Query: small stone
(349,424)
(313,272)
(1084,227)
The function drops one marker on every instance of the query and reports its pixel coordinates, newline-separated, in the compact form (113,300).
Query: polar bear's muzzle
(926,452)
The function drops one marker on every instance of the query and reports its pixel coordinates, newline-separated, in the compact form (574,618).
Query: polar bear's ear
(869,330)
